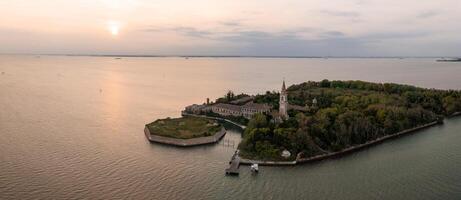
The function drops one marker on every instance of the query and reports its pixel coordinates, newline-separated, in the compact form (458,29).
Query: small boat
(449,60)
(254,168)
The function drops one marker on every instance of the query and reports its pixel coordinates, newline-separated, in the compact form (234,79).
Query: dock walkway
(234,165)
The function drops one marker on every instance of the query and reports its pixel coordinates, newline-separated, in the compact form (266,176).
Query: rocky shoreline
(455,114)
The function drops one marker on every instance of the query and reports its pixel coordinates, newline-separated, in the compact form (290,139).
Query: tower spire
(283,85)
(283,102)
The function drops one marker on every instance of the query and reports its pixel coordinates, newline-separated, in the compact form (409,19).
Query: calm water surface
(72,128)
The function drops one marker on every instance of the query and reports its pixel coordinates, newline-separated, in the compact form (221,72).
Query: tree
(229,95)
(257,121)
(325,83)
(348,113)
(451,104)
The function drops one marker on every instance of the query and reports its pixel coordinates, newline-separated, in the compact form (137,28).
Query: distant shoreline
(225,56)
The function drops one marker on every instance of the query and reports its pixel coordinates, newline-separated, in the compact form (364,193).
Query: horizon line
(214,56)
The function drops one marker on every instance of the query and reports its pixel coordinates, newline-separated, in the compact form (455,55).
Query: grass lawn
(184,128)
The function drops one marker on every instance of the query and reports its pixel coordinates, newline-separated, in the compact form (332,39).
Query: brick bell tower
(283,103)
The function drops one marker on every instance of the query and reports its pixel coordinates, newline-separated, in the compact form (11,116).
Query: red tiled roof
(257,106)
(227,106)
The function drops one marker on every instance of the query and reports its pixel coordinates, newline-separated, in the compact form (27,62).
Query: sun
(114,30)
(113,27)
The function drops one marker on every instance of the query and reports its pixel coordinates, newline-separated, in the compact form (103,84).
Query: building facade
(225,109)
(247,110)
(197,109)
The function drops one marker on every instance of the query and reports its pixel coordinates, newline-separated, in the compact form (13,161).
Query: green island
(314,119)
(184,128)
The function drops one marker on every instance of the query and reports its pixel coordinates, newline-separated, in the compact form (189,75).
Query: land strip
(298,160)
(215,118)
(185,142)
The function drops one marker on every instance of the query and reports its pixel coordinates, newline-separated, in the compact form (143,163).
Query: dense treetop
(344,114)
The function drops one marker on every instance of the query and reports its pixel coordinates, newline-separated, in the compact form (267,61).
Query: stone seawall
(185,142)
(365,145)
(455,114)
(338,153)
(244,161)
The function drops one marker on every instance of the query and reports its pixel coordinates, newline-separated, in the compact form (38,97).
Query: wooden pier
(234,165)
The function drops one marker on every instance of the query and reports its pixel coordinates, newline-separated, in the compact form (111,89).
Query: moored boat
(254,168)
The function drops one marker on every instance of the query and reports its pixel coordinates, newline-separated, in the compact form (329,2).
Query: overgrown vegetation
(345,113)
(230,96)
(184,128)
(237,119)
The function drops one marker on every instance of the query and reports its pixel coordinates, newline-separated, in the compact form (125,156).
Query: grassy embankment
(184,128)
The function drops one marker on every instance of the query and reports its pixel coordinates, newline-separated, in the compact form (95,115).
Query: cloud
(259,42)
(340,13)
(231,23)
(193,32)
(152,29)
(333,34)
(427,14)
(395,35)
(281,43)
(181,30)
(312,27)
(292,43)
(234,38)
(246,36)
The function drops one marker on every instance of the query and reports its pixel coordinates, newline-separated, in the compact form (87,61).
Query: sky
(232,27)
